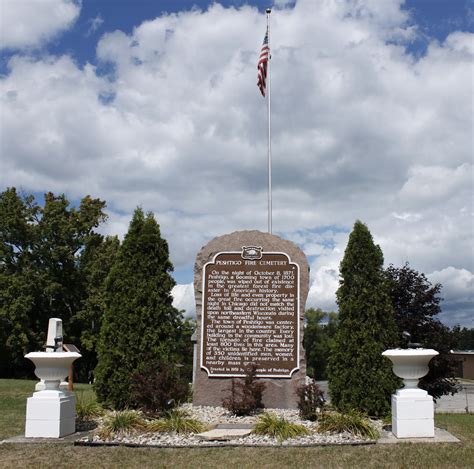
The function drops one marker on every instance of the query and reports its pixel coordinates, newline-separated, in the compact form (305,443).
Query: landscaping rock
(226,430)
(224,434)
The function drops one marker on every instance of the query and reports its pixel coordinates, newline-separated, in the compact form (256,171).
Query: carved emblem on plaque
(251,253)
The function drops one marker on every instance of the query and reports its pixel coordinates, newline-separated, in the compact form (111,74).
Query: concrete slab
(224,434)
(441,436)
(241,426)
(65,440)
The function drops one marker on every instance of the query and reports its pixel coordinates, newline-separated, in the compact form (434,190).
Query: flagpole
(268,11)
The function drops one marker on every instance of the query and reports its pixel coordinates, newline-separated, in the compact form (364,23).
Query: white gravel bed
(173,440)
(215,415)
(218,415)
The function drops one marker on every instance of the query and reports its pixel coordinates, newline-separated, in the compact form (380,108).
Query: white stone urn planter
(412,407)
(410,364)
(51,412)
(52,367)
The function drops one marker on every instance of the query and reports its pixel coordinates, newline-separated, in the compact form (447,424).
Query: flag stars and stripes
(262,65)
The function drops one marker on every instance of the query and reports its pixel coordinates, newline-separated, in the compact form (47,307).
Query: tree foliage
(416,302)
(318,339)
(359,377)
(40,250)
(464,338)
(140,320)
(95,264)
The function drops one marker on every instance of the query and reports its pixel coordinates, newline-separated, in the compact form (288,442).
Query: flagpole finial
(268,11)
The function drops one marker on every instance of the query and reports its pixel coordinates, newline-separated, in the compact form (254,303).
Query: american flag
(262,65)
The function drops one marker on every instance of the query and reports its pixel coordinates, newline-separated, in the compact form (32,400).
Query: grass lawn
(13,394)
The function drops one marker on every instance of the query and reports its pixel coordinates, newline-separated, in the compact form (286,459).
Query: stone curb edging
(221,445)
(71,441)
(442,436)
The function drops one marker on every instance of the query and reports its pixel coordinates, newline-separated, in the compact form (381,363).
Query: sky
(155,104)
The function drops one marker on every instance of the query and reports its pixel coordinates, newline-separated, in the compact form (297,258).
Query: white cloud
(361,130)
(183,299)
(328,248)
(458,294)
(94,24)
(432,184)
(459,282)
(116,224)
(31,23)
(407,216)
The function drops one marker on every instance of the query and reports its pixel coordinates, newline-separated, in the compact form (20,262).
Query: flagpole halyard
(268,11)
(264,85)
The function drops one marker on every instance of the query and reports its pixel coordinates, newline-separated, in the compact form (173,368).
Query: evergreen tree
(359,377)
(95,264)
(318,339)
(140,324)
(416,303)
(185,347)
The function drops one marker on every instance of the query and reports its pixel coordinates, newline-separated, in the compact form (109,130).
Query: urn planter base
(412,414)
(50,414)
(412,407)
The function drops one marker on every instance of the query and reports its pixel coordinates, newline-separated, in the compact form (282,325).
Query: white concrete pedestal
(50,414)
(412,414)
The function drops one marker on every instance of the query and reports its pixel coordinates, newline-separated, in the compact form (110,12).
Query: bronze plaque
(250,314)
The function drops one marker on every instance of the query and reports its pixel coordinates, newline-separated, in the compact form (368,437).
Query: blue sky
(154,103)
(435,18)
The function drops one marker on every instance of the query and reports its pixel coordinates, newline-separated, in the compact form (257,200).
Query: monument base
(278,394)
(50,414)
(412,414)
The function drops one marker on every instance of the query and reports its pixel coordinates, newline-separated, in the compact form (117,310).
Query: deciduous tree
(40,248)
(464,338)
(416,303)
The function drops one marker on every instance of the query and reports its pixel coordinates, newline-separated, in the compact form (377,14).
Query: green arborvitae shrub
(359,377)
(140,323)
(95,264)
(318,338)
